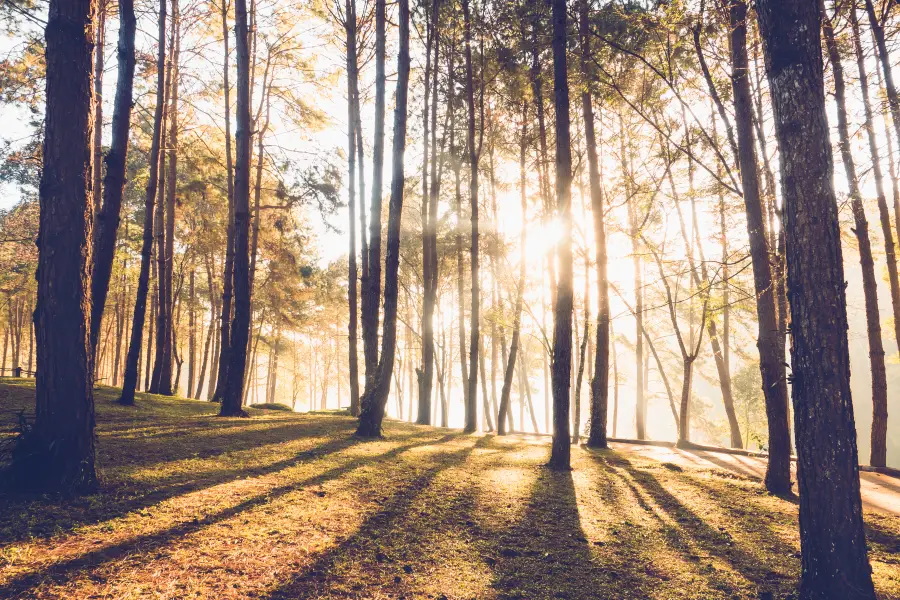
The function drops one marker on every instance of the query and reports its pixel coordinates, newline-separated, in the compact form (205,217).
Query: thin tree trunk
(375,399)
(471,411)
(233,392)
(353,275)
(108,217)
(562,342)
(224,342)
(600,381)
(771,347)
(130,379)
(832,540)
(878,454)
(861,230)
(371,284)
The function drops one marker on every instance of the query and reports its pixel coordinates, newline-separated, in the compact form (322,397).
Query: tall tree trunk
(107,220)
(471,412)
(375,399)
(371,284)
(878,454)
(503,413)
(224,342)
(160,242)
(233,392)
(861,230)
(771,349)
(600,382)
(192,335)
(130,380)
(832,540)
(425,374)
(165,385)
(877,25)
(59,454)
(562,335)
(353,275)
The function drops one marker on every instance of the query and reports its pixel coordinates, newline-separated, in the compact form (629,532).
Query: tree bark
(562,335)
(832,540)
(375,399)
(60,452)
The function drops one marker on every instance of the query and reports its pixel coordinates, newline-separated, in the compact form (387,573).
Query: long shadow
(735,467)
(885,481)
(51,516)
(314,580)
(546,552)
(693,530)
(62,571)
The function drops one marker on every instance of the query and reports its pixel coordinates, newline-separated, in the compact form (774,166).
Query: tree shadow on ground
(697,540)
(142,547)
(373,549)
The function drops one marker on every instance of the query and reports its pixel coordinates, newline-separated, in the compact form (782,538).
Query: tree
(600,382)
(130,380)
(832,540)
(471,397)
(108,219)
(377,389)
(233,394)
(562,333)
(58,453)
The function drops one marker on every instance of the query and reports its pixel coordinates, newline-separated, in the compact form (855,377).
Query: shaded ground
(291,506)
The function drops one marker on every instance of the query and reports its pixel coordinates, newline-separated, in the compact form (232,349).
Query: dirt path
(879,492)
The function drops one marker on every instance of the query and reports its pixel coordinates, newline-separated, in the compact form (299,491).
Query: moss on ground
(292,506)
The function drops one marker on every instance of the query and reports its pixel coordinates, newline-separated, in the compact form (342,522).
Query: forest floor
(287,505)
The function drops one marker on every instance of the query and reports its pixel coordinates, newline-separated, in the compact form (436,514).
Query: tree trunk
(600,382)
(771,349)
(221,368)
(562,335)
(878,454)
(108,218)
(353,275)
(59,453)
(375,399)
(371,284)
(130,379)
(832,540)
(233,392)
(471,412)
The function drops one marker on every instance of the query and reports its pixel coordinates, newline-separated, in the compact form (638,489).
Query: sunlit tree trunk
(600,381)
(375,399)
(771,348)
(220,369)
(353,274)
(861,230)
(878,454)
(832,540)
(503,414)
(130,380)
(371,283)
(562,335)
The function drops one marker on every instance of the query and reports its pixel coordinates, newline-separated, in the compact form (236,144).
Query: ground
(293,506)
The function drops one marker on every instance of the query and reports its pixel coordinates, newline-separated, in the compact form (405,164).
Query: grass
(292,506)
